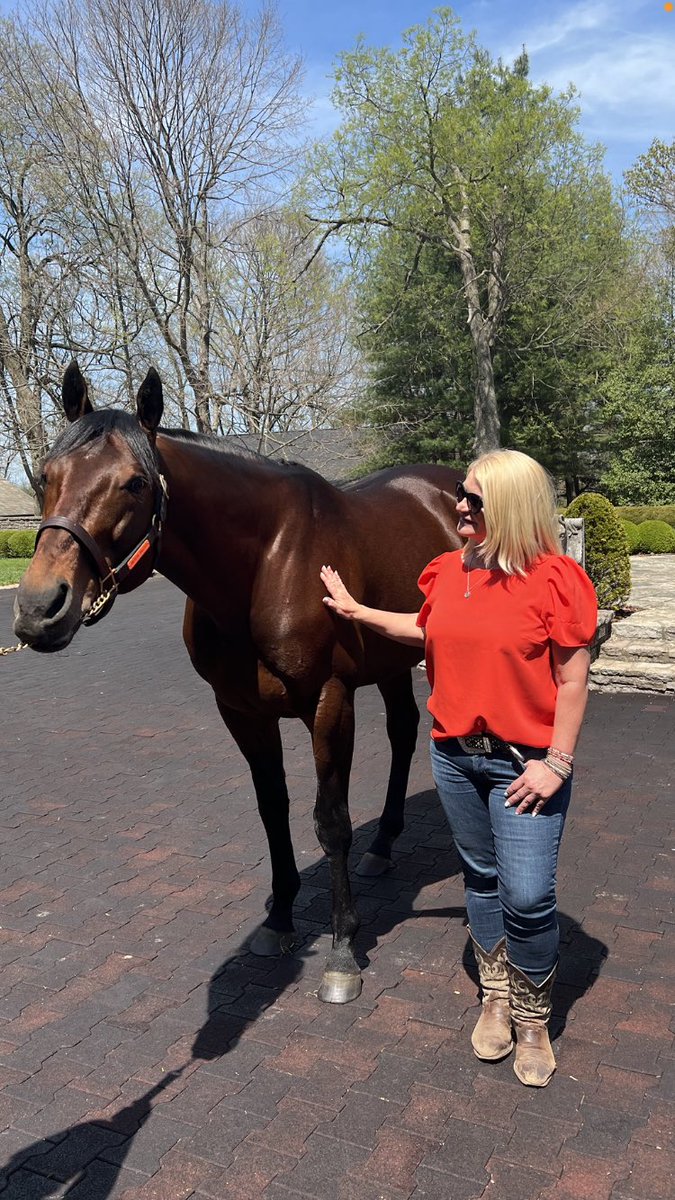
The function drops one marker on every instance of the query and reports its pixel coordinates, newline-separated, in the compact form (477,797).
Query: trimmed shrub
(4,539)
(607,561)
(647,512)
(632,533)
(21,544)
(655,537)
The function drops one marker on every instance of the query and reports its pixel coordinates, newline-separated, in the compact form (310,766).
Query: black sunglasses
(474,502)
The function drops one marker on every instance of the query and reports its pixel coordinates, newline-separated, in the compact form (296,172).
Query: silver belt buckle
(474,743)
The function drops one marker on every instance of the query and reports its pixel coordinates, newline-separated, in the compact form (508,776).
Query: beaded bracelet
(566,758)
(558,769)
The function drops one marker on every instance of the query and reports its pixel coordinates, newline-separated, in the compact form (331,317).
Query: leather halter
(110,578)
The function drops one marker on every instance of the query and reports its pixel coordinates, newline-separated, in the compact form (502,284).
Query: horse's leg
(260,743)
(403,719)
(332,731)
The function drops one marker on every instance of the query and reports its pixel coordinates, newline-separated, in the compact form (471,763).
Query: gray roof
(14,502)
(337,454)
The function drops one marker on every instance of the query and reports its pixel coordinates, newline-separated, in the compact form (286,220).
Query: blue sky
(620,55)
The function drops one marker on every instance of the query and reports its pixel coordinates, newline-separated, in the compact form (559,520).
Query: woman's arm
(537,783)
(400,627)
(570,671)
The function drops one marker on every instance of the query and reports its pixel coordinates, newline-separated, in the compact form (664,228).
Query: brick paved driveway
(145,1054)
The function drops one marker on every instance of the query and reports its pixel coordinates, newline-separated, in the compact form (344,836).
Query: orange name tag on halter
(142,549)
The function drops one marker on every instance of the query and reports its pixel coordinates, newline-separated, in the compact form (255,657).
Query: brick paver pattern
(145,1054)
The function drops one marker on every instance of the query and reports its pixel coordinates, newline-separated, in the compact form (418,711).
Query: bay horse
(244,538)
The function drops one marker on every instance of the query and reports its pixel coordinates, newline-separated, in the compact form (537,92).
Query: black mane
(211,441)
(104,421)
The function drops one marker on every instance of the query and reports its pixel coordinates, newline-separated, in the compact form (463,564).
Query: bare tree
(166,118)
(37,287)
(284,345)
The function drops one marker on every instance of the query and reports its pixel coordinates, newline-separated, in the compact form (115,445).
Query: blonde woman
(507,622)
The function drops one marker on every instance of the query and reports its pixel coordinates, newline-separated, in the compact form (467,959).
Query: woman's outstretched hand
(339,598)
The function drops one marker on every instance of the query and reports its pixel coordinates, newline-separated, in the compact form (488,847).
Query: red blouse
(488,655)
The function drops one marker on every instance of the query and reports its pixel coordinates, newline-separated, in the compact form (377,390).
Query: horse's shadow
(240,992)
(69,1162)
(85,1159)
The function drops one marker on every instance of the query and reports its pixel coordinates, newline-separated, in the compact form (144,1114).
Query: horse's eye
(135,485)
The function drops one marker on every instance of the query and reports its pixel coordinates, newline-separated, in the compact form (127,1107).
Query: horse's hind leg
(260,743)
(402,721)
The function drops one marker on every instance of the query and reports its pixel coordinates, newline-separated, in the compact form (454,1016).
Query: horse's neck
(215,515)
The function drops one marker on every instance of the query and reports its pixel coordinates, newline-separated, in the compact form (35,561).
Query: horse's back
(397,520)
(416,477)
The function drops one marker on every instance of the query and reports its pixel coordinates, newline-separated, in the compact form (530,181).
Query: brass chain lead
(13,649)
(100,601)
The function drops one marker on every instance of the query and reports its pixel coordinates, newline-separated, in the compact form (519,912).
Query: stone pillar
(573,538)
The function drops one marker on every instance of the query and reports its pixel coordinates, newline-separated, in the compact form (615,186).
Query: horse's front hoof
(269,943)
(373,864)
(339,988)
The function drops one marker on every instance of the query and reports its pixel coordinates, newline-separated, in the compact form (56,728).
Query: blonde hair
(521,521)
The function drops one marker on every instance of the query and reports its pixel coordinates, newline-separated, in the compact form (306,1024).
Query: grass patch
(11,569)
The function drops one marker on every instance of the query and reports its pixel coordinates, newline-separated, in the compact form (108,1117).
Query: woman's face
(470,524)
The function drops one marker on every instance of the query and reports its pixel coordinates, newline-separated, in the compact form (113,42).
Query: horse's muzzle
(47,619)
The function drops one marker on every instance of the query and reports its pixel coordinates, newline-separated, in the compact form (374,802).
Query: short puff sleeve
(426,583)
(571,614)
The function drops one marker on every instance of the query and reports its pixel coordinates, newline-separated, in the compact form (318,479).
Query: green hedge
(632,535)
(637,513)
(607,560)
(5,535)
(655,537)
(21,543)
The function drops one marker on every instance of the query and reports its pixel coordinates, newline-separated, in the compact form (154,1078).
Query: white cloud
(579,19)
(622,72)
(632,77)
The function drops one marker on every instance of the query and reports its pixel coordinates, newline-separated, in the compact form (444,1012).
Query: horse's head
(102,511)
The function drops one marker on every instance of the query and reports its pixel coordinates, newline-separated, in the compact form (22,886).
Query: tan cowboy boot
(530,1012)
(492,1038)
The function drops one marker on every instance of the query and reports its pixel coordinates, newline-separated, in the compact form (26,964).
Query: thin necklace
(467,564)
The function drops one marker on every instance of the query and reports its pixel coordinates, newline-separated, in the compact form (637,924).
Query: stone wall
(28,521)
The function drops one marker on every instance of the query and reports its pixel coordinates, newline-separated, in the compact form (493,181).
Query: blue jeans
(508,860)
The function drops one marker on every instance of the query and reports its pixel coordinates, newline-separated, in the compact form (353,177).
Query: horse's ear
(75,393)
(150,402)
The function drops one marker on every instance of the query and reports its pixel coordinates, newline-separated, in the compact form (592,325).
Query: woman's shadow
(84,1160)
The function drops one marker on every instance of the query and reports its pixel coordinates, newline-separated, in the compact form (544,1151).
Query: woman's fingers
(524,800)
(340,599)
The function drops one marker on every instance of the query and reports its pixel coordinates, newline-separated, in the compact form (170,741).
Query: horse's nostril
(58,602)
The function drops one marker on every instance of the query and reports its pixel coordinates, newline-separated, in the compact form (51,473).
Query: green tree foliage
(498,235)
(639,415)
(607,561)
(652,179)
(419,396)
